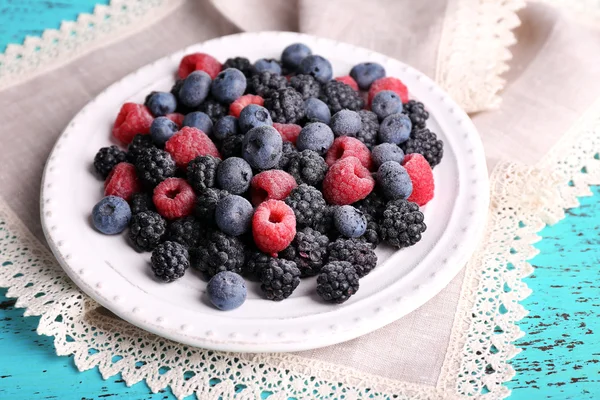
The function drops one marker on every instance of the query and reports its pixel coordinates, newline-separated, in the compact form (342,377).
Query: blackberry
(140,142)
(325,224)
(308,204)
(308,250)
(186,231)
(370,128)
(426,143)
(279,278)
(338,96)
(141,202)
(307,167)
(337,281)
(218,252)
(287,152)
(306,85)
(169,261)
(231,146)
(417,113)
(356,252)
(106,159)
(241,63)
(154,166)
(286,106)
(373,204)
(266,83)
(401,224)
(371,235)
(201,172)
(255,262)
(146,230)
(175,92)
(206,203)
(213,109)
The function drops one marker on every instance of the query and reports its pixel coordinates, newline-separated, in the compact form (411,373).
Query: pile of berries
(274,171)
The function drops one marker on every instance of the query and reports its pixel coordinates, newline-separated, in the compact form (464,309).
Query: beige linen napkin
(461,43)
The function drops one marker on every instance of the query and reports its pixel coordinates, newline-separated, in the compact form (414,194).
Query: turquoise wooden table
(561,357)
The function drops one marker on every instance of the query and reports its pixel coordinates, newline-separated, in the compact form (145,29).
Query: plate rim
(334,335)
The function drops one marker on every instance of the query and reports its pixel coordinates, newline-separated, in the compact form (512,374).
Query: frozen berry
(161,103)
(146,230)
(395,128)
(370,128)
(386,103)
(286,106)
(287,151)
(141,202)
(253,116)
(213,109)
(292,55)
(228,85)
(315,136)
(346,146)
(237,106)
(273,226)
(348,80)
(202,172)
(226,126)
(401,224)
(206,203)
(288,132)
(177,118)
(306,85)
(308,205)
(337,281)
(307,167)
(421,175)
(317,110)
(279,278)
(188,144)
(234,215)
(234,175)
(347,181)
(111,215)
(267,65)
(316,66)
(169,261)
(265,84)
(356,252)
(195,89)
(132,119)
(231,146)
(366,73)
(137,145)
(106,159)
(200,121)
(186,231)
(388,83)
(162,129)
(198,61)
(349,221)
(394,181)
(417,113)
(274,184)
(122,181)
(426,143)
(338,96)
(218,252)
(386,152)
(226,290)
(241,63)
(154,166)
(262,147)
(346,123)
(174,198)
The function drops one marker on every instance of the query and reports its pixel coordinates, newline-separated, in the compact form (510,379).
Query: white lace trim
(523,200)
(473,50)
(108,23)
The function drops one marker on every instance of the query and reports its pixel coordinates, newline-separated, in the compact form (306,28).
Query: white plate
(109,271)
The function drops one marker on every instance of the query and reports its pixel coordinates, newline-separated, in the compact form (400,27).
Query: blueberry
(234,215)
(111,215)
(349,221)
(293,55)
(226,290)
(395,128)
(161,103)
(194,89)
(315,136)
(200,120)
(385,152)
(366,73)
(234,175)
(317,111)
(267,65)
(386,103)
(162,129)
(318,67)
(262,147)
(394,181)
(228,85)
(346,123)
(226,126)
(252,116)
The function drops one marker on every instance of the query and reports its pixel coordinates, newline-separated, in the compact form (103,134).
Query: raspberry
(273,184)
(288,132)
(132,119)
(347,181)
(188,144)
(122,181)
(346,146)
(198,61)
(174,198)
(388,83)
(237,106)
(421,176)
(177,118)
(348,80)
(273,226)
